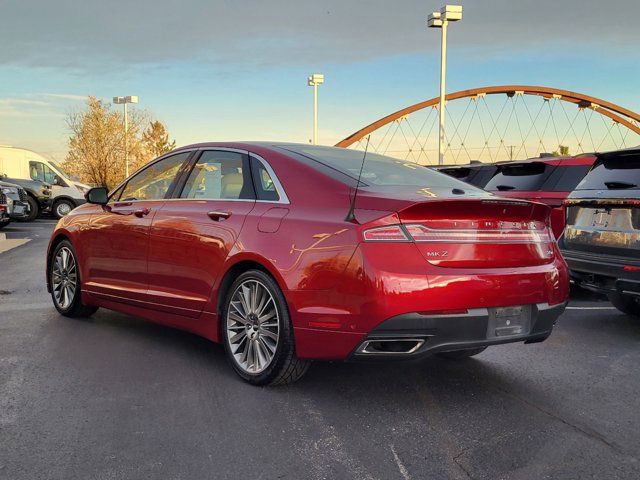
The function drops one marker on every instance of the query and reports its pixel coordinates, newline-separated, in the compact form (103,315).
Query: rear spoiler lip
(487,201)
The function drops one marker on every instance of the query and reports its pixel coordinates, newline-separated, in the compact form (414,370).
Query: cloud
(95,34)
(64,96)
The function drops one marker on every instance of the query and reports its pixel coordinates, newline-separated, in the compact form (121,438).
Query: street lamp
(441,19)
(125,101)
(313,81)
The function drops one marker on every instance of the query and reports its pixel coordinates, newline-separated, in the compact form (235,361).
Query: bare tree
(96,145)
(156,139)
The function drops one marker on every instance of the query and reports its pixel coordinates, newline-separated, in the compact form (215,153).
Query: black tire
(285,367)
(34,210)
(75,307)
(460,354)
(62,207)
(625,303)
(4,224)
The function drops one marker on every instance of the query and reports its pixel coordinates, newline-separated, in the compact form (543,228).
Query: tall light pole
(441,19)
(125,101)
(314,81)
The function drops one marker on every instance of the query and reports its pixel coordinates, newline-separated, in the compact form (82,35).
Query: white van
(21,163)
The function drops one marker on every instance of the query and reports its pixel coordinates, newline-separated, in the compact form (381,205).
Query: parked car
(19,210)
(475,173)
(601,242)
(24,164)
(5,219)
(278,252)
(38,195)
(546,180)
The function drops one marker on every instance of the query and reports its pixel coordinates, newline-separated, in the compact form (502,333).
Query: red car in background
(266,248)
(546,180)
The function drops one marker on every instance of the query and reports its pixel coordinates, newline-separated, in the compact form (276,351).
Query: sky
(215,70)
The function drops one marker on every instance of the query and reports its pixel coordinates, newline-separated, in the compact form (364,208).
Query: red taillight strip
(420,233)
(388,233)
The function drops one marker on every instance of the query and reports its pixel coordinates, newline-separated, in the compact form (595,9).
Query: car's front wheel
(625,303)
(64,278)
(257,331)
(62,207)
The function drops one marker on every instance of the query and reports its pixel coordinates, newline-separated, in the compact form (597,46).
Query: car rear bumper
(604,273)
(416,335)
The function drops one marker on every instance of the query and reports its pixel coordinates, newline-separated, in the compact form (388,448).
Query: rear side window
(566,178)
(619,172)
(527,177)
(265,186)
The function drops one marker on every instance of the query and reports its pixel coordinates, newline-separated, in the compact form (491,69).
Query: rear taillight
(463,232)
(389,233)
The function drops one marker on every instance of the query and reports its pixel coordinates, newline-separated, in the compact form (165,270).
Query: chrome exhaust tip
(390,346)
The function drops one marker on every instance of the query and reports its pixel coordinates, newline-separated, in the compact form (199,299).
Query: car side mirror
(97,195)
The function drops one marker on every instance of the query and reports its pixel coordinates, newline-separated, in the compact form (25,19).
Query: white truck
(24,164)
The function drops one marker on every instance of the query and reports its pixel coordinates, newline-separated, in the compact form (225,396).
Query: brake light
(463,232)
(389,233)
(421,233)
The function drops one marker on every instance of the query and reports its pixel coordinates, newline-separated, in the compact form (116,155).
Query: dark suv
(547,180)
(601,242)
(475,173)
(38,195)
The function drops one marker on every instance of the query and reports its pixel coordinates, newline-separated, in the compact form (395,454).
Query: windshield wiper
(503,188)
(617,184)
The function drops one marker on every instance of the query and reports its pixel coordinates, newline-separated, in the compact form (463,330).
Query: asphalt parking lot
(116,397)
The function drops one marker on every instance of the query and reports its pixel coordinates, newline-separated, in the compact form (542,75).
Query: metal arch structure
(616,113)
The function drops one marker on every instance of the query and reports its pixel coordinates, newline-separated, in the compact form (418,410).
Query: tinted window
(153,182)
(265,187)
(378,169)
(565,178)
(218,175)
(614,173)
(461,173)
(519,177)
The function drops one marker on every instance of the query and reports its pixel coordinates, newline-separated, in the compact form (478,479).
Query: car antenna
(351,215)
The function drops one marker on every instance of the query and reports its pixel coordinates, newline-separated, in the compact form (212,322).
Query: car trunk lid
(480,233)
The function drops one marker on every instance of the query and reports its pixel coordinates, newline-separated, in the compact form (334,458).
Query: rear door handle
(141,212)
(218,216)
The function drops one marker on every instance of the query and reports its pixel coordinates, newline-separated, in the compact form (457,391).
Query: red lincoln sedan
(280,253)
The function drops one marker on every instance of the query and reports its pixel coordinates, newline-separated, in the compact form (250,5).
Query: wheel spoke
(252,325)
(267,333)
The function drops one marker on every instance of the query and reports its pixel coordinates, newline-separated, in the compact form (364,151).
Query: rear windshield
(519,177)
(378,169)
(616,173)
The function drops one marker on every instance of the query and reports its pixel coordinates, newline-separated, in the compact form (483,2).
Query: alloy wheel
(62,209)
(64,278)
(252,326)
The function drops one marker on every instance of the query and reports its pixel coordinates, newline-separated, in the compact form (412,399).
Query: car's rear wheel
(625,303)
(460,354)
(257,331)
(64,278)
(62,207)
